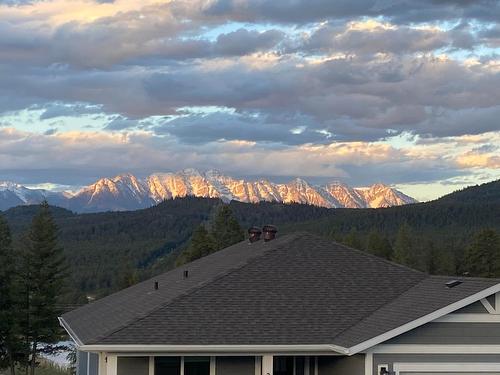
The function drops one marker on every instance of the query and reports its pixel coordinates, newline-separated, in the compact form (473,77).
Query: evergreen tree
(226,230)
(127,276)
(404,248)
(8,324)
(482,257)
(438,260)
(200,245)
(44,274)
(353,240)
(378,245)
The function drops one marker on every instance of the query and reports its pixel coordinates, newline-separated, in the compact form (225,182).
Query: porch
(164,364)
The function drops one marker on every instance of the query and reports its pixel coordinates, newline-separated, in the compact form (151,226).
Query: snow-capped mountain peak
(127,192)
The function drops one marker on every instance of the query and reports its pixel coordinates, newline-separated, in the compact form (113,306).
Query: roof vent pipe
(186,274)
(453,283)
(269,232)
(156,285)
(254,234)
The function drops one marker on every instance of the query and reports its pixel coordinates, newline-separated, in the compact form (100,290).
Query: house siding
(87,363)
(476,307)
(81,362)
(235,366)
(451,333)
(354,365)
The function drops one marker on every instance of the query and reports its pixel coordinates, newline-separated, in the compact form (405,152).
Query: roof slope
(298,289)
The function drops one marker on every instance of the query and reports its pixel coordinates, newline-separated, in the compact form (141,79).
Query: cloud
(305,11)
(202,128)
(486,156)
(371,37)
(296,83)
(79,157)
(58,109)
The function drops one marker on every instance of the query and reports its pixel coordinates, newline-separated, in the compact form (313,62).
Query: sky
(405,93)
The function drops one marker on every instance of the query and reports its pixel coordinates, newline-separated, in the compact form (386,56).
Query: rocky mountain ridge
(127,192)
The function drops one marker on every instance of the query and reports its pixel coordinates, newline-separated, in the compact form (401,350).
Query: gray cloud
(199,129)
(81,160)
(399,41)
(58,109)
(291,75)
(304,11)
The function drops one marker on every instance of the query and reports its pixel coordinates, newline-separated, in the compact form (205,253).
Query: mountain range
(127,192)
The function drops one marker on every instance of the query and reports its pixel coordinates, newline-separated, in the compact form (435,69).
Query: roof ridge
(196,287)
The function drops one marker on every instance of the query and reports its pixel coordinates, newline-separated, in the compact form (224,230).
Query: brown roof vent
(269,232)
(254,234)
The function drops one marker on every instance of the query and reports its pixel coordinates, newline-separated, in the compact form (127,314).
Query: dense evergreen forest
(108,251)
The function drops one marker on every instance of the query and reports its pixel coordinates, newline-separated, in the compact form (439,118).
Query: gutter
(215,348)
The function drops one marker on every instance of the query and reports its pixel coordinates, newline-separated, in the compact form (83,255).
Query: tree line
(480,256)
(147,242)
(32,281)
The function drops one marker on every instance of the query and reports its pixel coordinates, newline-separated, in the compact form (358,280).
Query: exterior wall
(235,366)
(354,365)
(390,359)
(451,333)
(475,308)
(133,366)
(87,363)
(81,363)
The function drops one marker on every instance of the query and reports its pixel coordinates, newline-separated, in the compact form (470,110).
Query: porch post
(102,363)
(111,365)
(212,365)
(258,365)
(151,367)
(267,365)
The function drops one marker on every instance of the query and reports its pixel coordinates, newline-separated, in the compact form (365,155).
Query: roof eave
(366,345)
(215,349)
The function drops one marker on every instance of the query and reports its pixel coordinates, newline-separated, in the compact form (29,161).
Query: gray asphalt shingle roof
(297,289)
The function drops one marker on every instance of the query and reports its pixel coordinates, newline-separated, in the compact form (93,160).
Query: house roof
(298,289)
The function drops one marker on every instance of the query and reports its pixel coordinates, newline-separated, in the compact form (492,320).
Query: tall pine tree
(482,258)
(378,245)
(8,308)
(226,230)
(44,273)
(200,245)
(353,240)
(404,247)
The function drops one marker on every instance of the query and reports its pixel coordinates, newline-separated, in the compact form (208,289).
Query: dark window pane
(283,365)
(312,364)
(299,365)
(196,365)
(167,365)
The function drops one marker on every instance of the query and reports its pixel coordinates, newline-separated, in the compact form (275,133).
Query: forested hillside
(108,250)
(104,249)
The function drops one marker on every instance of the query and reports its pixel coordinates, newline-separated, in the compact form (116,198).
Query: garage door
(465,368)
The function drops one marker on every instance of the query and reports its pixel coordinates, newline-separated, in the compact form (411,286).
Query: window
(167,365)
(196,366)
(283,366)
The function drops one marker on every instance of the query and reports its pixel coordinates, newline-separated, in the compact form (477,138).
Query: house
(293,305)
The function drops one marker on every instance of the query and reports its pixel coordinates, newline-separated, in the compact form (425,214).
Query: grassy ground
(49,368)
(45,368)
